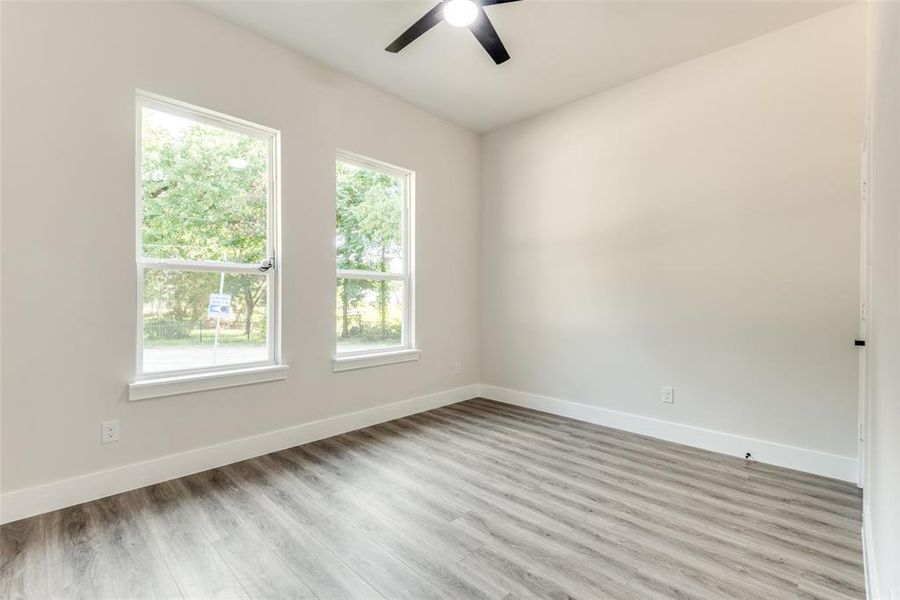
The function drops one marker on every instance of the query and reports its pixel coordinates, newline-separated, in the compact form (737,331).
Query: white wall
(69,77)
(695,228)
(882,494)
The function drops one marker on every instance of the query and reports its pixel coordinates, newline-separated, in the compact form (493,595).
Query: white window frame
(164,383)
(406,351)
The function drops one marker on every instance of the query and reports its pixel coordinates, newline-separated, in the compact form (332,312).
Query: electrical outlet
(457,368)
(667,395)
(109,431)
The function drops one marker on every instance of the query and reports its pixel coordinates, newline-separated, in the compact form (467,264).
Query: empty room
(450,299)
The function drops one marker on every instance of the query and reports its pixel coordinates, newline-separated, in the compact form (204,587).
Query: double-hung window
(375,289)
(206,224)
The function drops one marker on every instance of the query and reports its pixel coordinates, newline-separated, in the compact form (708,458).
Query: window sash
(377,275)
(407,179)
(271,329)
(406,338)
(406,341)
(273,138)
(200,265)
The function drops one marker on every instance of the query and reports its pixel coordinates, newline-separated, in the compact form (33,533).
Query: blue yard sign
(219,306)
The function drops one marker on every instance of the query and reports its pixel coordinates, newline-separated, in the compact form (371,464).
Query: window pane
(369,219)
(204,191)
(369,314)
(181,331)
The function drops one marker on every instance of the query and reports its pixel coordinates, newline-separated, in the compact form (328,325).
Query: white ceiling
(561,50)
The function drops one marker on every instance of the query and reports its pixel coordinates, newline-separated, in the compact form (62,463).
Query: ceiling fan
(459,13)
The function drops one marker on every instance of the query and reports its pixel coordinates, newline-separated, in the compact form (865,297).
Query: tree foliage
(369,236)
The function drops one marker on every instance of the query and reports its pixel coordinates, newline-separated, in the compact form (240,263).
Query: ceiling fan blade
(486,34)
(429,20)
(492,2)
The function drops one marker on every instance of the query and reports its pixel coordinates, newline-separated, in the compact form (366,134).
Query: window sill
(364,361)
(186,384)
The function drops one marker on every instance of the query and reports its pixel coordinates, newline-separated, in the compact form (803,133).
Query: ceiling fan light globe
(460,13)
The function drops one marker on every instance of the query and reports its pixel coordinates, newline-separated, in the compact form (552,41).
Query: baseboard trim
(872,591)
(792,457)
(28,502)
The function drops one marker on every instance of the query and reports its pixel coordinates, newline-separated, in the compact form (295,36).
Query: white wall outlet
(457,368)
(667,395)
(109,431)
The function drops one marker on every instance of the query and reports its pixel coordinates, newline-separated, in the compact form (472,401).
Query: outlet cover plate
(109,431)
(667,395)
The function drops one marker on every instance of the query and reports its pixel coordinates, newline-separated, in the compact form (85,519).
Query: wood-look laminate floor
(475,500)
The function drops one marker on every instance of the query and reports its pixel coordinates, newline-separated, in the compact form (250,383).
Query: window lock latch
(267,264)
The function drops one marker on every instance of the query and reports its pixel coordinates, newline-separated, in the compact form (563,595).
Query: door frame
(865,283)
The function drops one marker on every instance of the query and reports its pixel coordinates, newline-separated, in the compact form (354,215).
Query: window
(206,261)
(374,263)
